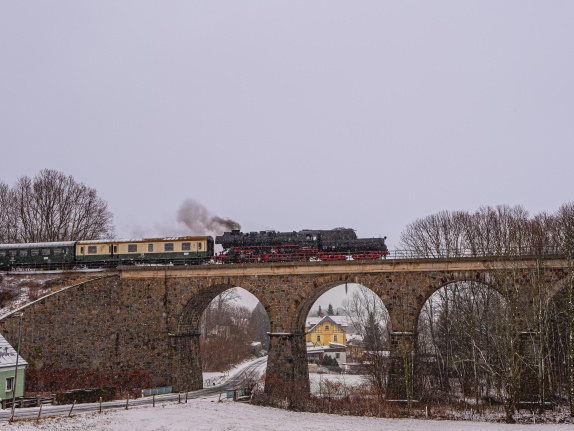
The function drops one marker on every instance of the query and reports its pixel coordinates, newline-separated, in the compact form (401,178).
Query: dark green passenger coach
(41,254)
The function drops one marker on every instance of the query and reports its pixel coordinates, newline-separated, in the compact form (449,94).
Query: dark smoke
(201,221)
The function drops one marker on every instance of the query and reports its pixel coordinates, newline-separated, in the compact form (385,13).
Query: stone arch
(483,278)
(187,369)
(317,289)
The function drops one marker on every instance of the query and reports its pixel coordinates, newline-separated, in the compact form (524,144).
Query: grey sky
(292,115)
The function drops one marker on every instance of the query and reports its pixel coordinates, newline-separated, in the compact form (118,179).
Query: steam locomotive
(305,245)
(238,247)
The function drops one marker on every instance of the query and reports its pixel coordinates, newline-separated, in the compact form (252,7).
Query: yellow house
(322,331)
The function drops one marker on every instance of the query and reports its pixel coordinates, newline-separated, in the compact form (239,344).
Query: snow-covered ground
(209,414)
(341,383)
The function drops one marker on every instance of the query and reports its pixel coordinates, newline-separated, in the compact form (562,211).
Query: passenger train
(238,247)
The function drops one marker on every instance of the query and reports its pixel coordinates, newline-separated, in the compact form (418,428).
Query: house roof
(332,347)
(8,355)
(342,321)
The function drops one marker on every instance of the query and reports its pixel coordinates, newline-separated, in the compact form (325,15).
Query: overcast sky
(292,115)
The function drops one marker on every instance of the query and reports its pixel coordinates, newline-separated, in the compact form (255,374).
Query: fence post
(186,398)
(127,401)
(72,408)
(39,412)
(179,398)
(100,404)
(153,400)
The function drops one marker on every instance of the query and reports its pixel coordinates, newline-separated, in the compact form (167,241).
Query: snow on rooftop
(339,320)
(38,245)
(122,240)
(8,355)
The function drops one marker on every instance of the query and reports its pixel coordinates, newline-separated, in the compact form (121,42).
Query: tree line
(491,231)
(474,343)
(492,345)
(228,331)
(52,207)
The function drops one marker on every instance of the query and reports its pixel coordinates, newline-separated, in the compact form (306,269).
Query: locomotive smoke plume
(200,220)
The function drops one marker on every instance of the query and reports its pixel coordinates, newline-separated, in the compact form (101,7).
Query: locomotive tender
(265,246)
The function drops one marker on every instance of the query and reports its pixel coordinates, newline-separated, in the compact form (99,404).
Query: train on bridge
(238,247)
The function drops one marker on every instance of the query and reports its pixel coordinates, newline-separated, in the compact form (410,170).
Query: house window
(150,248)
(9,384)
(335,338)
(318,338)
(45,252)
(92,249)
(326,327)
(23,253)
(168,246)
(132,248)
(199,246)
(185,246)
(337,355)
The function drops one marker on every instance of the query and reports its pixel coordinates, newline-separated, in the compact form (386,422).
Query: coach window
(168,246)
(45,252)
(199,246)
(92,249)
(132,248)
(150,248)
(34,252)
(2,253)
(12,253)
(185,246)
(81,250)
(23,253)
(57,251)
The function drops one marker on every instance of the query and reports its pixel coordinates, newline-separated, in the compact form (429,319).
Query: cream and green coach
(176,250)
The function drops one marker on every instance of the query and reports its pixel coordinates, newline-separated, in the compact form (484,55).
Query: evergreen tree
(330,311)
(373,333)
(259,326)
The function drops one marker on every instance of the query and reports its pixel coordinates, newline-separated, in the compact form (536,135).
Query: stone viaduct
(147,318)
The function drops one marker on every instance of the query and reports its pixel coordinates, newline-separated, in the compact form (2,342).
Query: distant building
(8,381)
(322,331)
(333,350)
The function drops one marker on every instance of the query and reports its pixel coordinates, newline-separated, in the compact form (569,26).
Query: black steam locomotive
(305,245)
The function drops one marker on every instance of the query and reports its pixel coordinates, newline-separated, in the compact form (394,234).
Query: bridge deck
(337,267)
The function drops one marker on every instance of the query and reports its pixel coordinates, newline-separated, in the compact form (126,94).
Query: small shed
(9,382)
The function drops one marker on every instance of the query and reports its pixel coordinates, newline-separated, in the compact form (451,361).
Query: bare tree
(371,320)
(53,207)
(225,332)
(5,213)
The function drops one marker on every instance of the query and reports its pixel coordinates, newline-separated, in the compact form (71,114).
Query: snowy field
(344,383)
(209,414)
